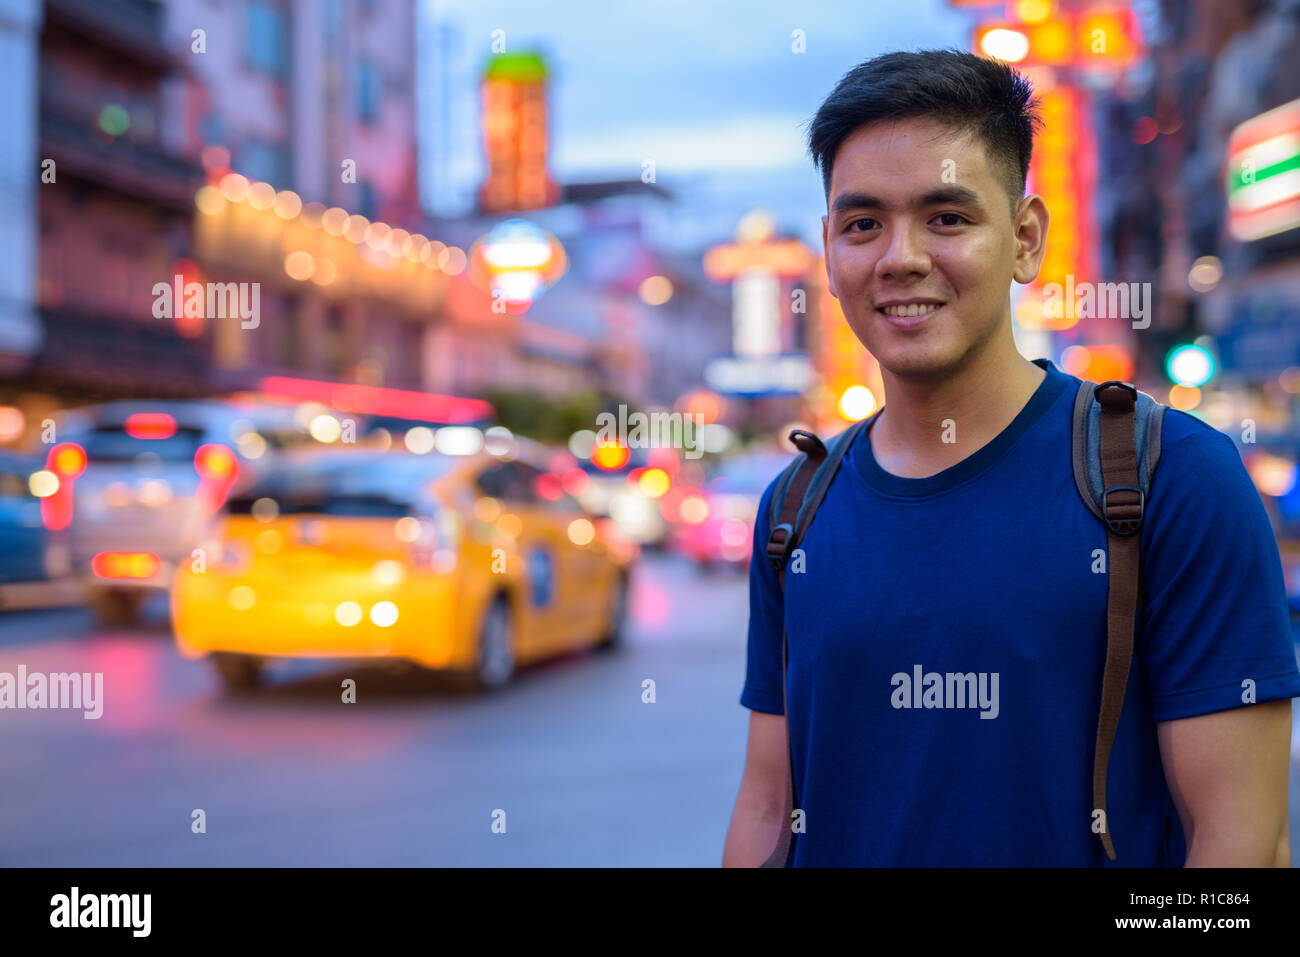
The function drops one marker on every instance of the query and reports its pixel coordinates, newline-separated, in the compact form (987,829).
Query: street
(413,774)
(410,775)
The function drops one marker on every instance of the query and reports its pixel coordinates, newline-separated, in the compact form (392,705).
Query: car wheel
(617,628)
(116,608)
(238,673)
(495,663)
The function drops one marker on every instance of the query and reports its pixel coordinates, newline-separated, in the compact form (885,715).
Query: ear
(826,253)
(1031,225)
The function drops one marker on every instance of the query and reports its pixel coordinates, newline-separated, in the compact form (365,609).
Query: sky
(711,92)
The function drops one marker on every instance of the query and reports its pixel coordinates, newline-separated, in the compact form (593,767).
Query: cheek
(851,267)
(978,269)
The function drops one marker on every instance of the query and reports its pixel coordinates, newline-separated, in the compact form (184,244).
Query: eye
(855,222)
(952,216)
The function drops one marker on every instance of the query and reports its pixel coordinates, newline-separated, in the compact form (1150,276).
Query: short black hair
(983,96)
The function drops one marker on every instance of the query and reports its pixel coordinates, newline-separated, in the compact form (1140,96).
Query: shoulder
(1201,473)
(1185,438)
(780,481)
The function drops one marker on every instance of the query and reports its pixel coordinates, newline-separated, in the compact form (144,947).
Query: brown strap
(780,534)
(1123,503)
(779,538)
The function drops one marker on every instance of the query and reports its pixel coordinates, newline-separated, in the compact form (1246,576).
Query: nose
(904,255)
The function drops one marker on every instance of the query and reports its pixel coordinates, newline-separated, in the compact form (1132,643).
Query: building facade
(315,99)
(115,208)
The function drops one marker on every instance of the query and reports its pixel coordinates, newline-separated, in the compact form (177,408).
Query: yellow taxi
(465,563)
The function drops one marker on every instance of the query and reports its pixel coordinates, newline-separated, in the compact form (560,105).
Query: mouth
(909,315)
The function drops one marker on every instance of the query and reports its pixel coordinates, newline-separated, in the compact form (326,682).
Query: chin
(911,366)
(916,358)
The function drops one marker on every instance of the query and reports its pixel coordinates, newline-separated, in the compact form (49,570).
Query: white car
(137,483)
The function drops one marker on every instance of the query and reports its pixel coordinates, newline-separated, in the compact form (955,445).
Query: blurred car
(715,523)
(453,562)
(28,550)
(613,488)
(137,483)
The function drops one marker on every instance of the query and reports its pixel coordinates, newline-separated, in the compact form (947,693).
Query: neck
(931,423)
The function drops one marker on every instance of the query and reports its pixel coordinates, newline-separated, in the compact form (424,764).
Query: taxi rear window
(346,506)
(376,488)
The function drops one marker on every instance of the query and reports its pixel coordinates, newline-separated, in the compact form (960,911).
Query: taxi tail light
(439,538)
(420,551)
(218,468)
(67,461)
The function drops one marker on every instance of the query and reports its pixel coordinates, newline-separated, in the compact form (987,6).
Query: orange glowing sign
(1106,37)
(840,359)
(787,258)
(515,135)
(1101,37)
(1063,172)
(1098,363)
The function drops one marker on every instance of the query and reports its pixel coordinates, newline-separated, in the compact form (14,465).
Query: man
(953,541)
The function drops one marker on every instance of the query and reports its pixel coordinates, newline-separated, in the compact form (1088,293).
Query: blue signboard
(1263,339)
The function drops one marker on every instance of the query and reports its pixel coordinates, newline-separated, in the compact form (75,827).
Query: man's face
(921,245)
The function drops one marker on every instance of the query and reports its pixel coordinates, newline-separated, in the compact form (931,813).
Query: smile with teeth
(912,309)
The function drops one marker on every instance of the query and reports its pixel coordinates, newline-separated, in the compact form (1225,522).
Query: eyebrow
(957,195)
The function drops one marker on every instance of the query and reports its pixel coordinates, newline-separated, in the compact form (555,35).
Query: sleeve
(1216,614)
(762,690)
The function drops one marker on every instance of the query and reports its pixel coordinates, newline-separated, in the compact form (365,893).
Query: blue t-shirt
(987,575)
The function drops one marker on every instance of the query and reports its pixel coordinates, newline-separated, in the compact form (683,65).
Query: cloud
(743,143)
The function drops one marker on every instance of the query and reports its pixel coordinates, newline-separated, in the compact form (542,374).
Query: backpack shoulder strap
(1115,449)
(799,492)
(1148,419)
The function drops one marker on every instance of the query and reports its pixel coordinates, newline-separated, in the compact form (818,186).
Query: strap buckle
(1126,524)
(1126,386)
(776,549)
(807,442)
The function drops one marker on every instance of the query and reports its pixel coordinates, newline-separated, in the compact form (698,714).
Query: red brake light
(67,460)
(420,537)
(150,425)
(575,481)
(125,564)
(218,468)
(610,456)
(215,462)
(547,486)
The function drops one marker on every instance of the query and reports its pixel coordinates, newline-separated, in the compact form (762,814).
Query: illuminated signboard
(1263,174)
(515,134)
(515,263)
(1063,172)
(756,265)
(1098,38)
